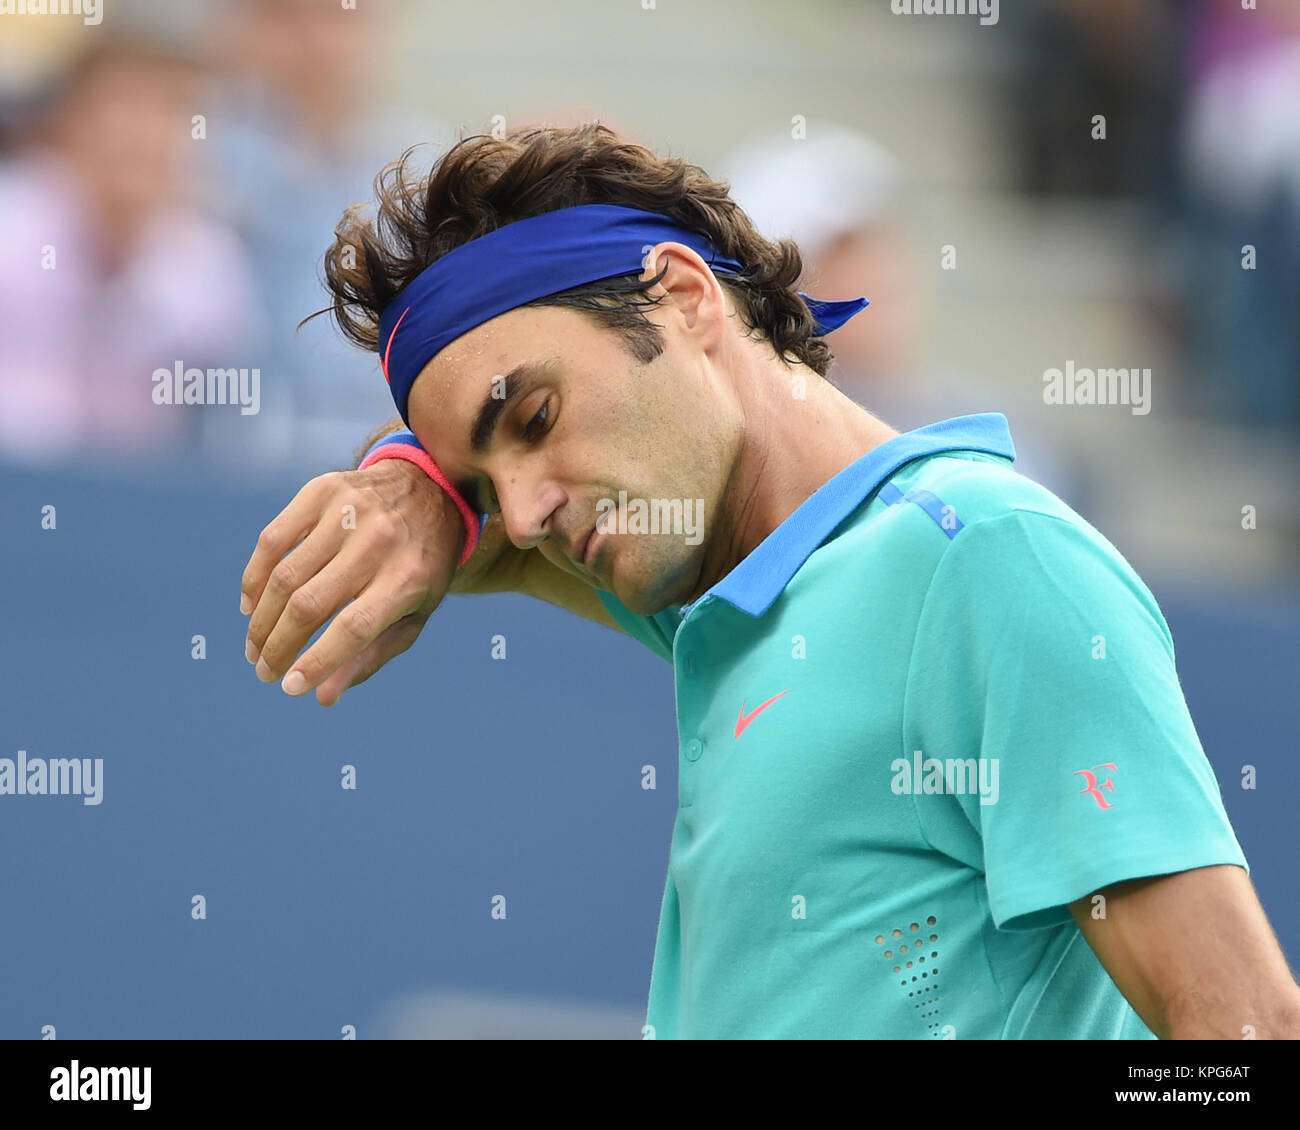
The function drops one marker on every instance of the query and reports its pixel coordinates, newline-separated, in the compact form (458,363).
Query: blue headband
(530,259)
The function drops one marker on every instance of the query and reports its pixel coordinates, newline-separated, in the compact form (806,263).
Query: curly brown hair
(483,182)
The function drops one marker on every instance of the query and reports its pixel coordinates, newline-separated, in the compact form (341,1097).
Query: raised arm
(377,551)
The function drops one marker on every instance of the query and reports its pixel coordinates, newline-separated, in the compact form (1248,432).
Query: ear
(689,291)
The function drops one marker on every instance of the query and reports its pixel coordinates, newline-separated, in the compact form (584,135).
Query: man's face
(582,421)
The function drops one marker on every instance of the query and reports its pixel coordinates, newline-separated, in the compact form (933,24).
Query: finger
(350,632)
(348,573)
(391,642)
(287,580)
(281,534)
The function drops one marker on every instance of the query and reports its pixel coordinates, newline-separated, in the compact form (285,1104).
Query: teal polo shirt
(933,707)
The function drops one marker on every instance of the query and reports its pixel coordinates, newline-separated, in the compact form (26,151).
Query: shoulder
(979,488)
(962,506)
(974,540)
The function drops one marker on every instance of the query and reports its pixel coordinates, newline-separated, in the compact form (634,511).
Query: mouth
(586,547)
(589,547)
(581,547)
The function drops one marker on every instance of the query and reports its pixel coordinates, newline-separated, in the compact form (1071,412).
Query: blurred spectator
(1242,150)
(840,197)
(107,273)
(1199,99)
(293,141)
(33,55)
(1081,58)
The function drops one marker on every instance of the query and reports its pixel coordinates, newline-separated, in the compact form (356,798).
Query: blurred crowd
(167,189)
(168,186)
(1201,99)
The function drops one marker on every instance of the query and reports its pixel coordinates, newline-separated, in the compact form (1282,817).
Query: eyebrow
(521,380)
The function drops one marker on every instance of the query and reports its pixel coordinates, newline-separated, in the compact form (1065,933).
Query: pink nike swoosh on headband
(389,347)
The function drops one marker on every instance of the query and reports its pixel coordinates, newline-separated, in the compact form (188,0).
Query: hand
(386,539)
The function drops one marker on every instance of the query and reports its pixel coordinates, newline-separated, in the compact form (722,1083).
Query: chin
(645,598)
(642,605)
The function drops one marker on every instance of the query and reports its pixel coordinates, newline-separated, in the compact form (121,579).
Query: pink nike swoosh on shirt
(745,719)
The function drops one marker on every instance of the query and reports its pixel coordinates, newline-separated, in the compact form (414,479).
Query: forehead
(461,374)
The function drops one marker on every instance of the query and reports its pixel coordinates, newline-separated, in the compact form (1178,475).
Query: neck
(790,447)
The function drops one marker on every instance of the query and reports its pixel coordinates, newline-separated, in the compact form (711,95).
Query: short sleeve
(655,632)
(1040,653)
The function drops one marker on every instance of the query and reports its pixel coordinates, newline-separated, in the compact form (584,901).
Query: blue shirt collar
(755,583)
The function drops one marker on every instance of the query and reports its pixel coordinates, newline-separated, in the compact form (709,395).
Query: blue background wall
(475,778)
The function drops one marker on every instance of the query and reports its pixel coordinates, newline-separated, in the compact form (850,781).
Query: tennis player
(937,777)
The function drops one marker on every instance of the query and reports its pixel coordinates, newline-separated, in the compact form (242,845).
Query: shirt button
(694,748)
(690,664)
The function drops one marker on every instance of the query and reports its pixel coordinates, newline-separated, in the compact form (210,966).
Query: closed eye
(481,494)
(537,426)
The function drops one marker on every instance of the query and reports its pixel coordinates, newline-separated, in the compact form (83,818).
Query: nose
(528,509)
